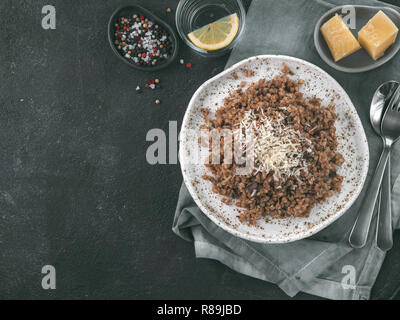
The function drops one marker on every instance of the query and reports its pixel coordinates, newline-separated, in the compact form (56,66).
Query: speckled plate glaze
(352,144)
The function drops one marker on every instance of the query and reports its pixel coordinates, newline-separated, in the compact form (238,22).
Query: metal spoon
(390,133)
(380,102)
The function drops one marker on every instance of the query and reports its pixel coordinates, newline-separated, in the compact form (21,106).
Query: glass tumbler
(194,14)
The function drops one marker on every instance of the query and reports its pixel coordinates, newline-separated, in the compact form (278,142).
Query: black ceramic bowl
(130,10)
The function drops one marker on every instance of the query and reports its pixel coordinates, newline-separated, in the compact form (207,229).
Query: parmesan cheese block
(340,40)
(378,35)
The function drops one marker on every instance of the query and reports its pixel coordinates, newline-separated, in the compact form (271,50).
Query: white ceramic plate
(352,144)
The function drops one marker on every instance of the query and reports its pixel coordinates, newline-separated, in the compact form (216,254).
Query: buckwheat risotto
(294,147)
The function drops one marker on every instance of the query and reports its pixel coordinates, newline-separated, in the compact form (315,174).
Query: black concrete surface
(76,191)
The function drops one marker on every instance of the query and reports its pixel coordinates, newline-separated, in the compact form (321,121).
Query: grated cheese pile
(276,147)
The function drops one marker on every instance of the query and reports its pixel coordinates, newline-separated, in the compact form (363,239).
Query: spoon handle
(359,234)
(384,238)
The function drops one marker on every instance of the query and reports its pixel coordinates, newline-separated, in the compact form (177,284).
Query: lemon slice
(216,35)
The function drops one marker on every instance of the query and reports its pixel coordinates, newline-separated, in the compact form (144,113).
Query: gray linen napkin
(319,265)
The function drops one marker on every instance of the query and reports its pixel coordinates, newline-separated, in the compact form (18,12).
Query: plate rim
(332,63)
(259,239)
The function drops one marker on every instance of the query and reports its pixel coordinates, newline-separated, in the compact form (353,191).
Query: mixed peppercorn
(141,40)
(145,43)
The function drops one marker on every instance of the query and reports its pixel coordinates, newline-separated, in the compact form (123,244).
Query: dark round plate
(359,61)
(130,10)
